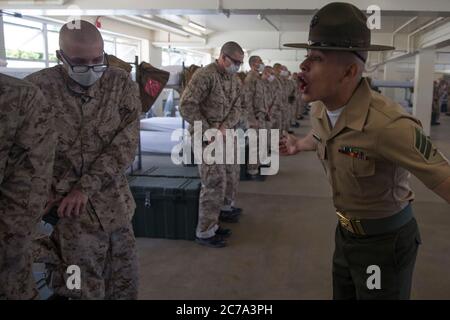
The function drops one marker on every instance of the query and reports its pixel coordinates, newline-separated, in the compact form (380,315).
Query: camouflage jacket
(272,97)
(98,132)
(27,147)
(283,88)
(254,98)
(212,97)
(292,92)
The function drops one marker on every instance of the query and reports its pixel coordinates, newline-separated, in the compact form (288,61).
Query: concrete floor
(283,245)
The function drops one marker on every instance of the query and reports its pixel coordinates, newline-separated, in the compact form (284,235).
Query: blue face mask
(261,68)
(86,75)
(232,69)
(86,79)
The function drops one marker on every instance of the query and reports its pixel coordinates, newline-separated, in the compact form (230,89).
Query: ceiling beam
(252,7)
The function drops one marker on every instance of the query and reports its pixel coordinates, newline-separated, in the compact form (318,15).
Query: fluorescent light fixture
(196,26)
(192,30)
(33,2)
(160,25)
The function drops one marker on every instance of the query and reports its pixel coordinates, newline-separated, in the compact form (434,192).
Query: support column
(2,44)
(423,87)
(155,56)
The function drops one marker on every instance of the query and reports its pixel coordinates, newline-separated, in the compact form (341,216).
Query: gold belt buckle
(352,225)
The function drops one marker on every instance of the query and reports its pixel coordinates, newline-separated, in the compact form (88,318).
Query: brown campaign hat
(339,26)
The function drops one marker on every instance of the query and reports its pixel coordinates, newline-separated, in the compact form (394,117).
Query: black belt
(376,226)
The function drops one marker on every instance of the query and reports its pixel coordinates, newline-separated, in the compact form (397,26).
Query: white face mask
(261,68)
(284,73)
(271,78)
(233,69)
(86,79)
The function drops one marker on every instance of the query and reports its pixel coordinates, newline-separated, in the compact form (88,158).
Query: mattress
(157,142)
(162,124)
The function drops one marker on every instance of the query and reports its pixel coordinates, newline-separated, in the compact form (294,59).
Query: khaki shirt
(212,97)
(369,152)
(98,132)
(27,147)
(254,99)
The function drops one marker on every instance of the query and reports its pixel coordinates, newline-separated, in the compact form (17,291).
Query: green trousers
(376,266)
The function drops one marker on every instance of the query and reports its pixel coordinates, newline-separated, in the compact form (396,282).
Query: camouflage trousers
(285,117)
(293,114)
(219,188)
(16,277)
(233,177)
(276,119)
(254,168)
(107,261)
(300,109)
(436,112)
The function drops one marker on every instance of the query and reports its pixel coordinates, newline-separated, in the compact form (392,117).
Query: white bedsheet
(157,142)
(162,124)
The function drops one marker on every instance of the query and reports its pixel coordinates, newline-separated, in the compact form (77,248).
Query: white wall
(123,29)
(139,6)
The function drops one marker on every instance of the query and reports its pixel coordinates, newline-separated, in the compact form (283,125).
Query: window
(171,57)
(24,41)
(53,45)
(32,43)
(127,49)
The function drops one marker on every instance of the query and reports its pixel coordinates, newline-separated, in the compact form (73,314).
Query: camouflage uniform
(98,132)
(244,119)
(435,110)
(284,112)
(27,143)
(272,101)
(254,104)
(212,97)
(233,173)
(293,96)
(276,106)
(300,104)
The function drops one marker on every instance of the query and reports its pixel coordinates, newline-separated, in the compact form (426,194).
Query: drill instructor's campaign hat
(339,26)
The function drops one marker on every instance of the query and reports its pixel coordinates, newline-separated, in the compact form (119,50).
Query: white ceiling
(221,23)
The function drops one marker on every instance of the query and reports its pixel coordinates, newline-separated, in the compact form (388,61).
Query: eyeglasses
(85,68)
(236,62)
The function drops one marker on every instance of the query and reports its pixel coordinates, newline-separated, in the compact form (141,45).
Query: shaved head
(231,48)
(83,44)
(268,71)
(231,53)
(277,68)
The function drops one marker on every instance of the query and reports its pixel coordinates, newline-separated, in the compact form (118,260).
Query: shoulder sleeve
(195,93)
(404,143)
